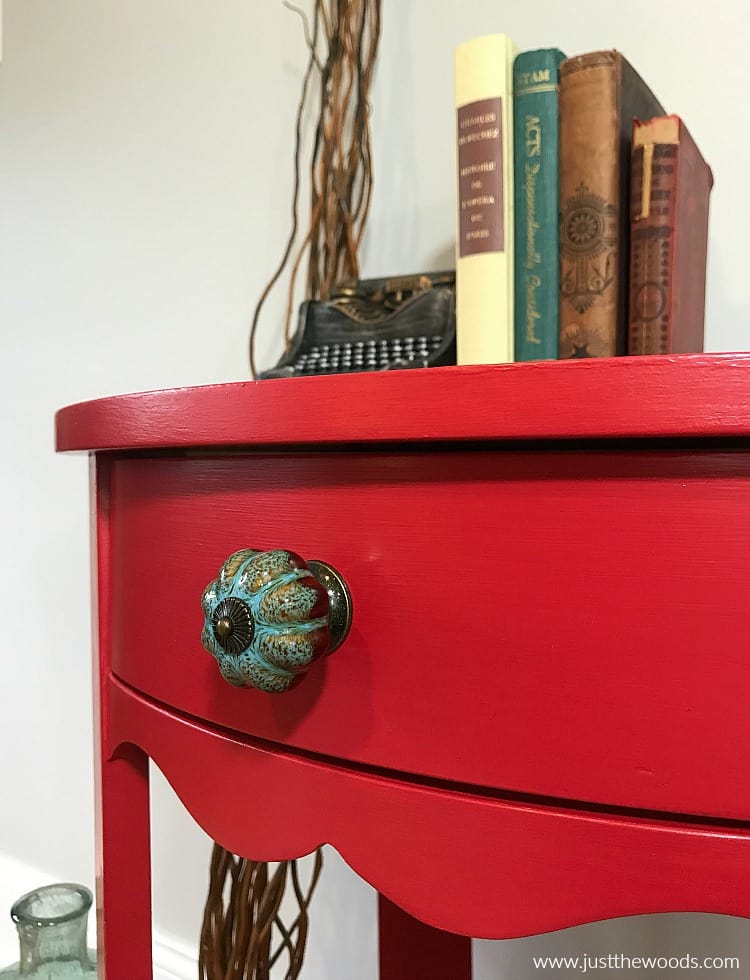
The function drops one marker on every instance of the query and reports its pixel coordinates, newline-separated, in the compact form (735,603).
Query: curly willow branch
(342,41)
(242,913)
(242,918)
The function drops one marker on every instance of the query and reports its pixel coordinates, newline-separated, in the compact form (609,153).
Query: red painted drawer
(565,623)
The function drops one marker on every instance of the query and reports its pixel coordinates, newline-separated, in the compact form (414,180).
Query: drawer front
(568,624)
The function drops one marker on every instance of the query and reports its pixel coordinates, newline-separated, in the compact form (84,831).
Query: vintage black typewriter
(375,325)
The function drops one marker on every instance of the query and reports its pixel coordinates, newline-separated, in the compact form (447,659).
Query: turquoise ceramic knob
(269,615)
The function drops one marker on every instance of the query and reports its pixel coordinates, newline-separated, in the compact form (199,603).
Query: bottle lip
(78,896)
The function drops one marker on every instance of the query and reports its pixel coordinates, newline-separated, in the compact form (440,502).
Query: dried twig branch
(342,37)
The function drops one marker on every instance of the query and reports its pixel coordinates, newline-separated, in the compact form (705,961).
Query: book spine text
(536,170)
(484,238)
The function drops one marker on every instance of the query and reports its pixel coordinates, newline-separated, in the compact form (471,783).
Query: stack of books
(582,210)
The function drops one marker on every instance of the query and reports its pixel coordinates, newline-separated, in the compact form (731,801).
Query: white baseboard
(173,960)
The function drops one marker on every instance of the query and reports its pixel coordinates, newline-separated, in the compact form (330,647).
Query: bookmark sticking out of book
(670,188)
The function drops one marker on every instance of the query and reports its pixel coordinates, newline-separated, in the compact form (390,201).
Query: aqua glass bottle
(51,924)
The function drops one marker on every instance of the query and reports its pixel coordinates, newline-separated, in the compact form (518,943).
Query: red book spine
(670,187)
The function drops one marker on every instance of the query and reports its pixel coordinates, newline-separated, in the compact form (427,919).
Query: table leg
(411,950)
(124,867)
(123,831)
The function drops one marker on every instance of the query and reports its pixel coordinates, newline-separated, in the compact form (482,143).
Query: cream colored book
(484,234)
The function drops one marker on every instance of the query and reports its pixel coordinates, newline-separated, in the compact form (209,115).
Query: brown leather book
(670,187)
(600,95)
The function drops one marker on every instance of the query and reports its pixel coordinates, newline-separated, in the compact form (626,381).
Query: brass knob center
(233,625)
(224,628)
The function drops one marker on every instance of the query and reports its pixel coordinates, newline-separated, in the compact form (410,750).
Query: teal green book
(536,144)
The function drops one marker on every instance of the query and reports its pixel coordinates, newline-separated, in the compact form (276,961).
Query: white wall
(145,173)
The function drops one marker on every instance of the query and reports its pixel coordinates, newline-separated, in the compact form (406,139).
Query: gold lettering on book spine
(533,143)
(533,258)
(533,89)
(532,313)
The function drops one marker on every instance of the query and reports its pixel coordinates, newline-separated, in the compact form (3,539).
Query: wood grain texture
(470,865)
(687,395)
(570,625)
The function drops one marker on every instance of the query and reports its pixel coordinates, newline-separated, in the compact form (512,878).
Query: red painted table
(539,717)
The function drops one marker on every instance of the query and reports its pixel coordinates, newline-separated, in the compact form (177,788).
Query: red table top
(627,397)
